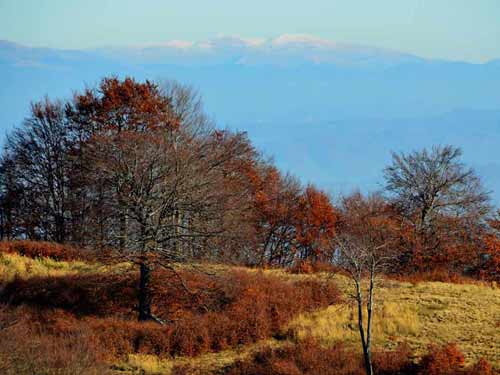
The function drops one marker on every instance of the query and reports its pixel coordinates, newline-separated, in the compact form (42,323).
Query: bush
(237,308)
(308,267)
(395,362)
(39,249)
(310,358)
(482,367)
(440,275)
(446,360)
(28,349)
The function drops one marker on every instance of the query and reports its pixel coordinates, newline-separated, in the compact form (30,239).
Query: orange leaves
(233,309)
(121,105)
(482,367)
(310,358)
(490,259)
(291,222)
(316,221)
(447,360)
(39,249)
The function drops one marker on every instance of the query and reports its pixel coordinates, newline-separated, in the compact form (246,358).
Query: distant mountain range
(328,112)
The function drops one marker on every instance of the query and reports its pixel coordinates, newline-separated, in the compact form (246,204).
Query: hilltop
(59,311)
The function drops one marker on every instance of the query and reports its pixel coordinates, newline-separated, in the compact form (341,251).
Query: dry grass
(14,265)
(421,314)
(201,365)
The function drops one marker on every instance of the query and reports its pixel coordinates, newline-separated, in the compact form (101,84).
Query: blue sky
(450,29)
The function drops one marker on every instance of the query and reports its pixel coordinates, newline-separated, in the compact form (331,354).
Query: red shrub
(446,360)
(98,294)
(302,267)
(304,358)
(393,362)
(308,267)
(440,275)
(38,249)
(26,348)
(482,367)
(310,358)
(235,309)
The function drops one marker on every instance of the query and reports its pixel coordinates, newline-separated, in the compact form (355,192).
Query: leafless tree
(434,189)
(364,248)
(35,170)
(428,183)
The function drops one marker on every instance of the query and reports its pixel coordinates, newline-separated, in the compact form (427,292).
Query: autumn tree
(114,107)
(488,266)
(157,172)
(275,198)
(316,220)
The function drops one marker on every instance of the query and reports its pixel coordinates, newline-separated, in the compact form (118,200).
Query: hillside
(81,305)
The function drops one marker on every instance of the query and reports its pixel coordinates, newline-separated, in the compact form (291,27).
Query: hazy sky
(452,29)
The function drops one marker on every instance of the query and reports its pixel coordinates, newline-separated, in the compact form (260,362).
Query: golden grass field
(420,314)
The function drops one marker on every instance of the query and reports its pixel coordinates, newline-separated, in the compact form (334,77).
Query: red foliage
(309,267)
(38,249)
(43,340)
(124,105)
(315,223)
(490,268)
(304,358)
(290,222)
(446,360)
(482,367)
(236,309)
(438,274)
(310,358)
(27,348)
(393,362)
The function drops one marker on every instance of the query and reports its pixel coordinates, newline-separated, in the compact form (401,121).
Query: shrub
(446,360)
(310,358)
(93,294)
(440,275)
(393,362)
(237,308)
(308,267)
(39,249)
(28,349)
(482,367)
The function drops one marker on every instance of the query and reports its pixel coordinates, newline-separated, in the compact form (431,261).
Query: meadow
(56,311)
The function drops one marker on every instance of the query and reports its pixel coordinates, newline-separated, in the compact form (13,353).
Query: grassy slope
(422,314)
(418,314)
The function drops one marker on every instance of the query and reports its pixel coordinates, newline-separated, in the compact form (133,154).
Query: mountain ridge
(287,105)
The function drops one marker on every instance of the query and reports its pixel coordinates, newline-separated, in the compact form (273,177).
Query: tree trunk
(144,292)
(123,242)
(365,340)
(368,361)
(369,308)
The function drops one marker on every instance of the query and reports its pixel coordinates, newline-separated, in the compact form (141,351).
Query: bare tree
(428,183)
(364,247)
(433,188)
(36,170)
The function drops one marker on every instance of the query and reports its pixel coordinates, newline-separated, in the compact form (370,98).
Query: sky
(466,30)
